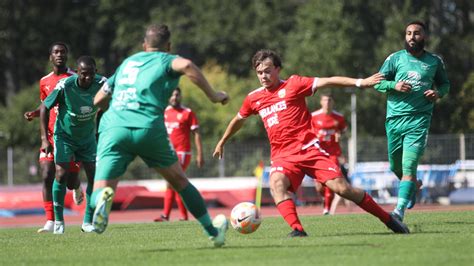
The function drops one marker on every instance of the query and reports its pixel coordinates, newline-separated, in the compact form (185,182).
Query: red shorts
(184,159)
(74,167)
(312,162)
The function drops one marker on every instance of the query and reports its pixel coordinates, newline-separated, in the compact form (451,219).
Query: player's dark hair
(261,55)
(326,94)
(177,89)
(60,44)
(157,36)
(419,23)
(87,60)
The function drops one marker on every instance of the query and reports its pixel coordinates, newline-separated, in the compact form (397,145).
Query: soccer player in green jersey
(414,80)
(74,134)
(134,126)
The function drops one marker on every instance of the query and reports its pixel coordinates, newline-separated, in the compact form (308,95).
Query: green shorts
(406,139)
(68,150)
(119,146)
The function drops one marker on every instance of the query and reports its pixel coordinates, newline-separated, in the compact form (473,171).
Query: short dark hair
(262,55)
(177,89)
(58,43)
(157,36)
(326,94)
(419,23)
(87,60)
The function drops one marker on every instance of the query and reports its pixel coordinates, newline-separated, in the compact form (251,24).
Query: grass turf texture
(438,238)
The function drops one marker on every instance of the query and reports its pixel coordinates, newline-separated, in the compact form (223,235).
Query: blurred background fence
(19,165)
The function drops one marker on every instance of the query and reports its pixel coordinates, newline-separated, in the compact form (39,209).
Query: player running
(134,126)
(295,149)
(328,125)
(415,79)
(180,122)
(58,53)
(74,135)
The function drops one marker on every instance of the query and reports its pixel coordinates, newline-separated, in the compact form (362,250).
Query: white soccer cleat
(78,195)
(87,228)
(58,227)
(102,210)
(47,228)
(221,224)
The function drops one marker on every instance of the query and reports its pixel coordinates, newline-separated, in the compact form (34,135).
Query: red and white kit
(326,126)
(179,123)
(295,149)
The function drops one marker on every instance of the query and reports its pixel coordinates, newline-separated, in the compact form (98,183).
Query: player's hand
(29,116)
(218,151)
(372,80)
(46,147)
(403,86)
(221,97)
(199,161)
(431,95)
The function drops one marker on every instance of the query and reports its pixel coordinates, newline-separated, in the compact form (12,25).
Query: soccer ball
(245,218)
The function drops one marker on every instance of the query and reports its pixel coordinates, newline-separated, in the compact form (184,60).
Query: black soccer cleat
(297,233)
(396,225)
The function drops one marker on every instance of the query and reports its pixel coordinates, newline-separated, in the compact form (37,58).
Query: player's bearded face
(414,39)
(268,74)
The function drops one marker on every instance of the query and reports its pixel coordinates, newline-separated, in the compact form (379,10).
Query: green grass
(438,238)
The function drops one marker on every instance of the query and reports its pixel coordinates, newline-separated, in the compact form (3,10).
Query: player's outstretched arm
(32,114)
(235,125)
(44,121)
(350,82)
(190,70)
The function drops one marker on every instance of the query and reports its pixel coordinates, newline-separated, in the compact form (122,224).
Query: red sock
(328,197)
(287,209)
(182,208)
(370,206)
(168,204)
(48,209)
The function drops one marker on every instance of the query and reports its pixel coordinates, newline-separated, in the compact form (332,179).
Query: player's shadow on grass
(230,246)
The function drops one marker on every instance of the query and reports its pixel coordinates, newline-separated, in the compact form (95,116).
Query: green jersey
(141,88)
(422,73)
(76,110)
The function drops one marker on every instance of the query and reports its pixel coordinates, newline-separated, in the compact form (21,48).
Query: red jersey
(284,114)
(179,123)
(326,126)
(47,85)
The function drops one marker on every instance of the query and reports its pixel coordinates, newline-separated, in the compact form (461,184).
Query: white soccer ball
(245,218)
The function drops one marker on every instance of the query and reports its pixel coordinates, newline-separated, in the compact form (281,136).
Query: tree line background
(314,38)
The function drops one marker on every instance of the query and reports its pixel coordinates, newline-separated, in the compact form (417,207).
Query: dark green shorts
(119,146)
(406,139)
(67,150)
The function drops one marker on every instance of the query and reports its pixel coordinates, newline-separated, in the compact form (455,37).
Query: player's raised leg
(365,201)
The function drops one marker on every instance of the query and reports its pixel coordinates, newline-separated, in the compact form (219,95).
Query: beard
(418,47)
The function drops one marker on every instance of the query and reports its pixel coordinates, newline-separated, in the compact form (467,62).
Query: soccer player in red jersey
(328,126)
(180,122)
(58,53)
(295,149)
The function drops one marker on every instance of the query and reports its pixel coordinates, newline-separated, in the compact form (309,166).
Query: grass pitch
(438,238)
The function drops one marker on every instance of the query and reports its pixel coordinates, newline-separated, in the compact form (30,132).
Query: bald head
(157,37)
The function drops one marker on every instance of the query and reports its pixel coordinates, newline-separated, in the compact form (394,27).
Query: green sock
(89,210)
(405,190)
(195,204)
(59,192)
(94,196)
